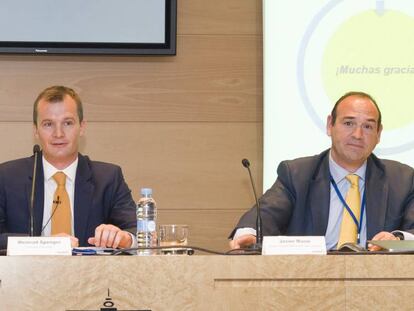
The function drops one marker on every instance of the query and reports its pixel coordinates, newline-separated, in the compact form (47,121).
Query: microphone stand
(36,150)
(259,234)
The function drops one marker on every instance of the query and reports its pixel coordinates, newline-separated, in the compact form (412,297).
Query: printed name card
(294,245)
(20,246)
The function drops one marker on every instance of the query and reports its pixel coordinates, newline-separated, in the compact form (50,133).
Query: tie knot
(60,178)
(353,179)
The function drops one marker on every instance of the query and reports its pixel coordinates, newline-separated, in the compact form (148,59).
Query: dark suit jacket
(101,197)
(298,202)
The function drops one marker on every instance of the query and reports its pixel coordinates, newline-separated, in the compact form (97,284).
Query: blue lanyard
(341,198)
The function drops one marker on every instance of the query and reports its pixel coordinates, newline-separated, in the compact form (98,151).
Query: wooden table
(333,282)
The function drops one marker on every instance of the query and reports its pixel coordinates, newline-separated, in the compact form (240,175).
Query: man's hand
(382,236)
(243,241)
(74,242)
(110,236)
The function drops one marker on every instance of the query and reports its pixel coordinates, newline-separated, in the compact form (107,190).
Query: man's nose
(357,133)
(58,131)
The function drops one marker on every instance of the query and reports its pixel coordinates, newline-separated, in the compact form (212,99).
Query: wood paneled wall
(180,124)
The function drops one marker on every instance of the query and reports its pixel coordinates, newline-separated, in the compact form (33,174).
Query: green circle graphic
(375,54)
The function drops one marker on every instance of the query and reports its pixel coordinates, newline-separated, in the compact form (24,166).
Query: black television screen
(131,27)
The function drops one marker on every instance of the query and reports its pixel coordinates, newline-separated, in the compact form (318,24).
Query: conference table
(207,282)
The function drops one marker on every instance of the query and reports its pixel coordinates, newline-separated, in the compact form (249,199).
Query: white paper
(294,245)
(21,246)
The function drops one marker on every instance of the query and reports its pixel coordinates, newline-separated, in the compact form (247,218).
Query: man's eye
(47,124)
(68,123)
(348,123)
(368,127)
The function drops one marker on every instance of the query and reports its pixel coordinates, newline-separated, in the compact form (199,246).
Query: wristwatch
(398,235)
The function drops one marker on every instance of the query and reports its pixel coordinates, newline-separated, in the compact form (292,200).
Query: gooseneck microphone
(56,203)
(36,151)
(259,234)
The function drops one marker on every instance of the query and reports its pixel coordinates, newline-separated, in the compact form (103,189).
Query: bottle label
(146,225)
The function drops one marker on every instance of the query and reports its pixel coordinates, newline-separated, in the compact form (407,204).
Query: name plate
(20,246)
(294,245)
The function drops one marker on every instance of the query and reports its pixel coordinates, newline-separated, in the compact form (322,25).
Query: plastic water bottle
(146,222)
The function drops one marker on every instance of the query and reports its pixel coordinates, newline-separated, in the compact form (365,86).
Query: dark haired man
(86,200)
(345,193)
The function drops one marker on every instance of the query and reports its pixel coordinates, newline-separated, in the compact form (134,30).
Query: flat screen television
(129,27)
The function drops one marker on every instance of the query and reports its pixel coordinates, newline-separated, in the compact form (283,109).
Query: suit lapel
(376,197)
(84,189)
(319,196)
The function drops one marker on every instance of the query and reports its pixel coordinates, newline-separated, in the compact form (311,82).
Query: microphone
(36,150)
(259,234)
(56,202)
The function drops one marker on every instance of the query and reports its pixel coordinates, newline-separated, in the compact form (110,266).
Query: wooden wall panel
(213,78)
(200,163)
(200,182)
(220,17)
(179,124)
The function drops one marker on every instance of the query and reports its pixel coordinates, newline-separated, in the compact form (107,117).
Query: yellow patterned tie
(349,230)
(61,219)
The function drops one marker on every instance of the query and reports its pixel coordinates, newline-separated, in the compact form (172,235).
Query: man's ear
(35,131)
(379,134)
(329,125)
(82,127)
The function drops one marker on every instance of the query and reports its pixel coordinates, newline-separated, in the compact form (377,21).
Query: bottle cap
(146,191)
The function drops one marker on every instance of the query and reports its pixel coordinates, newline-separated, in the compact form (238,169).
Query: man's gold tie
(61,219)
(349,229)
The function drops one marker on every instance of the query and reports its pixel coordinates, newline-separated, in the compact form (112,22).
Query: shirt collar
(338,173)
(49,170)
